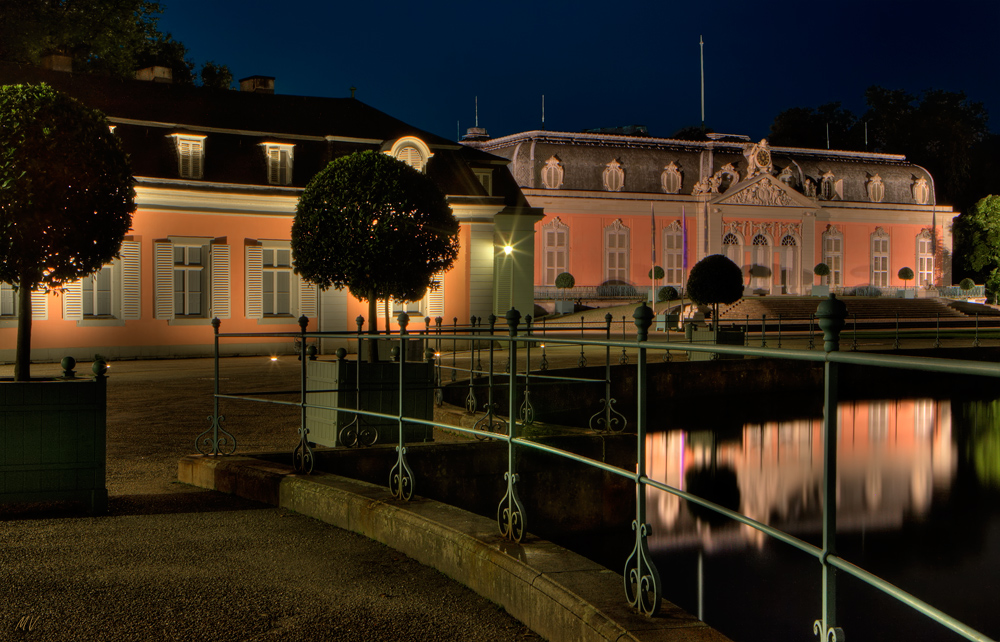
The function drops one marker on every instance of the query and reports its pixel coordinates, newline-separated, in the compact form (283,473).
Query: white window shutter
(40,305)
(163,279)
(254,282)
(131,295)
(220,281)
(72,299)
(286,167)
(273,165)
(435,298)
(307,298)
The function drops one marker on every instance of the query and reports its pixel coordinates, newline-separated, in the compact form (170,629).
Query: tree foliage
(66,196)
(715,279)
(942,131)
(374,225)
(565,280)
(667,293)
(977,231)
(821,269)
(216,76)
(111,37)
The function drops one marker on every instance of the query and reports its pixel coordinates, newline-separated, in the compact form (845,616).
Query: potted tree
(906,274)
(666,294)
(564,282)
(66,203)
(822,270)
(374,225)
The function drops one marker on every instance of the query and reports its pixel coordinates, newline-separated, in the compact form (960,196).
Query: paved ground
(170,562)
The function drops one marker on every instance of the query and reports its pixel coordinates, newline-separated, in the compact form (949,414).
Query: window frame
(190,151)
(280,159)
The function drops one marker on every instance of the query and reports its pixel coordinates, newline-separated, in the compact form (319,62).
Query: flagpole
(652,270)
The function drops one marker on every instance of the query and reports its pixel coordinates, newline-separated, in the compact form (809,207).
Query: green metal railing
(642,585)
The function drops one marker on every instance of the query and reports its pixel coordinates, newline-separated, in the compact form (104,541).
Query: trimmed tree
(667,294)
(905,274)
(822,270)
(376,226)
(715,279)
(565,281)
(66,197)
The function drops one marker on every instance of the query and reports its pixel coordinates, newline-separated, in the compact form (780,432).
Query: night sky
(599,64)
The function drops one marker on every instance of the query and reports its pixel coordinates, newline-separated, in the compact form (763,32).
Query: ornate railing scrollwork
(642,581)
(510,512)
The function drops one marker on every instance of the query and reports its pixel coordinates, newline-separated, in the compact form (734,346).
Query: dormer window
(552,173)
(190,155)
(670,179)
(614,176)
(279,163)
(412,151)
(485,177)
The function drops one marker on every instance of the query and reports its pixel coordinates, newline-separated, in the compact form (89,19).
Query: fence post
(642,581)
(302,455)
(604,415)
(210,438)
(527,410)
(582,361)
(510,512)
(832,316)
(895,344)
(401,477)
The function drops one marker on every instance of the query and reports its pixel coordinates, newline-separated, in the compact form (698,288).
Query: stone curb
(556,593)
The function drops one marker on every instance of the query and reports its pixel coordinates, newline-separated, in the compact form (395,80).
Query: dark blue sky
(599,64)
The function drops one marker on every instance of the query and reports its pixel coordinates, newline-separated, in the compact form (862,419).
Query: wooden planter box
(333,383)
(53,441)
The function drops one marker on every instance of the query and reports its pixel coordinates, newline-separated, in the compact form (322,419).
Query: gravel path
(171,562)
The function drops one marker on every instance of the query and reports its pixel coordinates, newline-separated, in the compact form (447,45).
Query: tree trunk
(22,356)
(372,328)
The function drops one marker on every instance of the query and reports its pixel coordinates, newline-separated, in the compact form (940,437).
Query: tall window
(552,173)
(189,286)
(925,259)
(190,155)
(789,265)
(277,282)
(761,268)
(673,254)
(880,258)
(732,248)
(833,255)
(8,300)
(97,293)
(616,247)
(555,249)
(826,186)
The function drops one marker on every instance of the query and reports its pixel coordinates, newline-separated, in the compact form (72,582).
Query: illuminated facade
(776,212)
(218,175)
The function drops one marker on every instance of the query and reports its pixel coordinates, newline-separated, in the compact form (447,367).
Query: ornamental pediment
(765,190)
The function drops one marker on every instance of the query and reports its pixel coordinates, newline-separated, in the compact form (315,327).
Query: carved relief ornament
(764,192)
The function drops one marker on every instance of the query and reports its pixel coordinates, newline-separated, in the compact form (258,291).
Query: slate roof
(146,113)
(584,158)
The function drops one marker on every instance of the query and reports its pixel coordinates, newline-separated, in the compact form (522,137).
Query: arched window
(555,250)
(732,247)
(826,187)
(789,262)
(412,151)
(760,270)
(876,190)
(921,191)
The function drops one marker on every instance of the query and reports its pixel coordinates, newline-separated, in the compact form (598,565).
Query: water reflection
(893,456)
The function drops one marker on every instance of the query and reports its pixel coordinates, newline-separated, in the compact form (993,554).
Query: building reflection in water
(893,455)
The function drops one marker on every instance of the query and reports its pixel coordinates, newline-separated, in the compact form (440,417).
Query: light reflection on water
(892,456)
(918,503)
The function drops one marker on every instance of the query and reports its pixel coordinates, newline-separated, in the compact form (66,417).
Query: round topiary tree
(66,197)
(905,274)
(565,281)
(374,225)
(667,293)
(822,270)
(715,279)
(966,284)
(656,273)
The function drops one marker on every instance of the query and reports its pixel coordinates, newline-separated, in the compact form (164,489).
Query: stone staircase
(869,309)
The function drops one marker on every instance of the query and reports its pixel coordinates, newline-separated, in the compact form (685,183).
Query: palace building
(775,211)
(218,175)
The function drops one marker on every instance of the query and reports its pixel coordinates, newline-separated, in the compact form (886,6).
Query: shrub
(667,293)
(866,290)
(967,284)
(565,280)
(821,269)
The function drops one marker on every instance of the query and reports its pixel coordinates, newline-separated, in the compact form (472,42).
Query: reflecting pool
(918,503)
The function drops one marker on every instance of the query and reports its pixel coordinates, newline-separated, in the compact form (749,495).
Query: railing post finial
(832,317)
(643,316)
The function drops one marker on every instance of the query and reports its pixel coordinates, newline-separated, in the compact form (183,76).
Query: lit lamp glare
(507,249)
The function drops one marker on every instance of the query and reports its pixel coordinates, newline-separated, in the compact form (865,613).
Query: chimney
(476,133)
(156,73)
(58,62)
(258,84)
